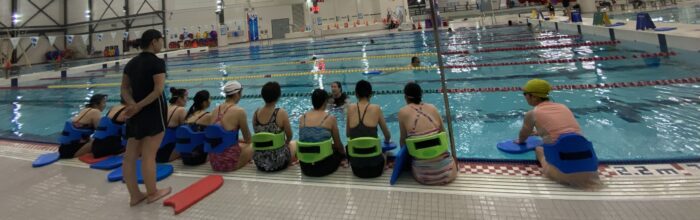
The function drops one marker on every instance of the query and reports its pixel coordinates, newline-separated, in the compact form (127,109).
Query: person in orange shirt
(549,120)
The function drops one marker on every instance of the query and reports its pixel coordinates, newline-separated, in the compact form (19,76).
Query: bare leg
(149,150)
(133,150)
(86,148)
(246,155)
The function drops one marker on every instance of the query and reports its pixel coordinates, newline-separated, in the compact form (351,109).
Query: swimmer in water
(313,59)
(415,62)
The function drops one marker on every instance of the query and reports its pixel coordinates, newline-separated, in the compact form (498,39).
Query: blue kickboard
(388,146)
(162,171)
(109,163)
(509,146)
(373,72)
(46,159)
(665,29)
(401,158)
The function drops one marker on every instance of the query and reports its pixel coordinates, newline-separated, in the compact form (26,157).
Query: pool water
(642,123)
(682,14)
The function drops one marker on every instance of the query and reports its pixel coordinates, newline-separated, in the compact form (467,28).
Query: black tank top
(361,130)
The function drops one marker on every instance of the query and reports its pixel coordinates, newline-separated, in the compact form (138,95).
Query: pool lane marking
(238,50)
(390,56)
(361,70)
(247,56)
(327,60)
(631,84)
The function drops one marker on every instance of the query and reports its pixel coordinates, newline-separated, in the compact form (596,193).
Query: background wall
(194,15)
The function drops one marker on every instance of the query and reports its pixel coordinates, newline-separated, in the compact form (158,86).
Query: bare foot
(158,195)
(137,199)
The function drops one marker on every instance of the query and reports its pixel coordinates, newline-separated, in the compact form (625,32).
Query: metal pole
(441,65)
(90,28)
(65,24)
(165,39)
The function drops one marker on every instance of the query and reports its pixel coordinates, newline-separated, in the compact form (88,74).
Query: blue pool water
(659,122)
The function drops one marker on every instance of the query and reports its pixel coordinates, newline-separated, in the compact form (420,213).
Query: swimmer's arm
(126,90)
(382,124)
(336,136)
(284,117)
(347,123)
(243,125)
(528,127)
(402,129)
(182,114)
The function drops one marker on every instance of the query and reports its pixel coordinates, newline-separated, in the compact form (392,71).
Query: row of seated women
(197,136)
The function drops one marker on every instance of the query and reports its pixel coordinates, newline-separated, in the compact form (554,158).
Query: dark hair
(337,83)
(95,100)
(414,59)
(271,92)
(199,99)
(122,100)
(146,39)
(413,93)
(318,98)
(363,89)
(176,94)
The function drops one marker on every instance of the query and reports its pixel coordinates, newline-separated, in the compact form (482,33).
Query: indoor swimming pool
(653,122)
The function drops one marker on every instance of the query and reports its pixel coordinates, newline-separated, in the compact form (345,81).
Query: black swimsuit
(111,145)
(164,152)
(365,167)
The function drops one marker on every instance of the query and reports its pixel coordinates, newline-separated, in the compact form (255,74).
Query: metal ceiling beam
(123,28)
(40,10)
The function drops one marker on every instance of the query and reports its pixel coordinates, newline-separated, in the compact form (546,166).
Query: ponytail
(199,99)
(176,94)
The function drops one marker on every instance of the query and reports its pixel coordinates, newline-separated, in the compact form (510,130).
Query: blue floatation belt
(187,140)
(107,128)
(571,153)
(170,137)
(218,139)
(70,134)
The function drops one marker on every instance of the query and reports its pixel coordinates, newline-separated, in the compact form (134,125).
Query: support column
(13,9)
(91,29)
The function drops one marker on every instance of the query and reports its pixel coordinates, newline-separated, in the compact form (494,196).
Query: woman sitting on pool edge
(273,120)
(197,119)
(232,117)
(318,126)
(110,145)
(87,119)
(365,118)
(552,120)
(419,120)
(176,117)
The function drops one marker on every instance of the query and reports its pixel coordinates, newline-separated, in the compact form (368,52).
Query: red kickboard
(89,159)
(194,193)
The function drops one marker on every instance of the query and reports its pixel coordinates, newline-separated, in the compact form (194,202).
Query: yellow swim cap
(537,87)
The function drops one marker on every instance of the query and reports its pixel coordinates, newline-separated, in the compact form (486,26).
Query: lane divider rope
(632,84)
(487,50)
(361,70)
